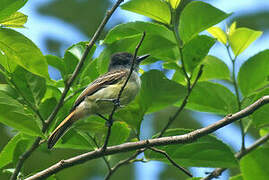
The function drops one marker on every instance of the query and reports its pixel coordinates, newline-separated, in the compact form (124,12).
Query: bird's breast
(100,102)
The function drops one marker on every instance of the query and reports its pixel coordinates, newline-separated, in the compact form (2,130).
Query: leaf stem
(237,97)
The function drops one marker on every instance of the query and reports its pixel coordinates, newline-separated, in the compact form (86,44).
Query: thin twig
(130,146)
(218,171)
(183,104)
(171,160)
(116,105)
(74,94)
(66,89)
(237,97)
(121,163)
(104,158)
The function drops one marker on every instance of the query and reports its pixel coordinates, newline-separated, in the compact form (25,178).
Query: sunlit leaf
(241,38)
(253,74)
(16,20)
(218,33)
(155,9)
(196,17)
(22,51)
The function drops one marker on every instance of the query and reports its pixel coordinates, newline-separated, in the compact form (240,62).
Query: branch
(218,171)
(117,102)
(184,102)
(180,139)
(66,89)
(171,161)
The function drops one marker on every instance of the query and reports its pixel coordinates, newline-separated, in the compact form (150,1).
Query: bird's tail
(61,129)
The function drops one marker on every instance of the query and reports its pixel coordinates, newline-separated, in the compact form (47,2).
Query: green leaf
(9,67)
(207,151)
(57,63)
(156,93)
(214,68)
(195,51)
(211,97)
(9,7)
(47,107)
(218,33)
(241,38)
(6,155)
(154,9)
(232,28)
(74,54)
(253,74)
(22,51)
(137,28)
(31,86)
(74,140)
(253,165)
(174,3)
(15,20)
(90,73)
(15,115)
(237,177)
(261,115)
(196,17)
(119,133)
(151,45)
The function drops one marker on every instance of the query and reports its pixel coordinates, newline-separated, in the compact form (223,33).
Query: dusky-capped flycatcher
(98,97)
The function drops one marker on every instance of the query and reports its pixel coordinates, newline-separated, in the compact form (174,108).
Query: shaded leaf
(17,116)
(237,177)
(74,140)
(57,63)
(6,155)
(211,97)
(195,51)
(253,165)
(207,151)
(31,86)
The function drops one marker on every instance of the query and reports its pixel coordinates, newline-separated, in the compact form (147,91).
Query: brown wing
(99,83)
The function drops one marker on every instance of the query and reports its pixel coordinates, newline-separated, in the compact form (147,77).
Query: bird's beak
(141,58)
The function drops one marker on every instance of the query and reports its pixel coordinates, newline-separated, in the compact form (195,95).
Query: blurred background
(54,25)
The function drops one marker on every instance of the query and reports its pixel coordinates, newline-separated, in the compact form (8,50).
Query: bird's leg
(116,102)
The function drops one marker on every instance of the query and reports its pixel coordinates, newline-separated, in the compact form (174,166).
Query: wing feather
(101,82)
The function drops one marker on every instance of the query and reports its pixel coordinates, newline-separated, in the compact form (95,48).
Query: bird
(98,97)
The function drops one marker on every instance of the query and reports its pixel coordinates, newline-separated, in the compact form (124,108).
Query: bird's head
(124,60)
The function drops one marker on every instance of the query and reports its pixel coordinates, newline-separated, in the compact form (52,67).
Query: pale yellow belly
(99,101)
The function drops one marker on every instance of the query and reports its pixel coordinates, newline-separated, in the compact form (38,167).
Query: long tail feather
(60,130)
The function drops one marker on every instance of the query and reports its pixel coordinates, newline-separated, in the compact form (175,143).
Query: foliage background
(45,27)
